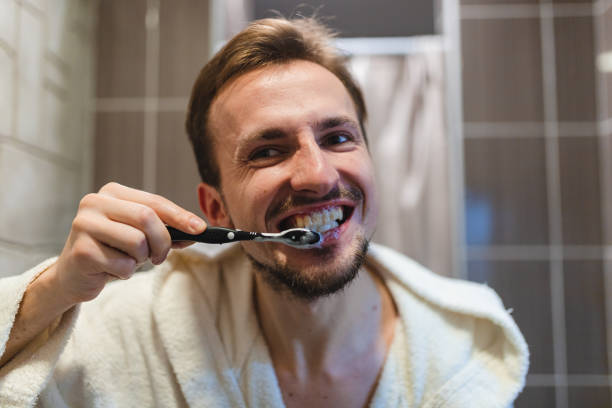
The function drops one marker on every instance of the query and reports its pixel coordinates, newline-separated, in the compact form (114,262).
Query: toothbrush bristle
(311,238)
(301,237)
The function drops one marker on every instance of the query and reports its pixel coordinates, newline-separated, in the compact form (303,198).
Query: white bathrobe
(186,334)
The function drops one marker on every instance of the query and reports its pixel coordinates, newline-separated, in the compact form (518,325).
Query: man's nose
(313,170)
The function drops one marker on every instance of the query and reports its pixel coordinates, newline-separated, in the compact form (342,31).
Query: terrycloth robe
(186,334)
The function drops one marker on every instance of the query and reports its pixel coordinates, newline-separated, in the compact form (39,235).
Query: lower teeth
(323,228)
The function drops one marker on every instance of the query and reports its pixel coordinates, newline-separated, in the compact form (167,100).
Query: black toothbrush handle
(212,235)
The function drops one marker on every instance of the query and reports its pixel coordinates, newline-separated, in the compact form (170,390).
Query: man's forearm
(39,308)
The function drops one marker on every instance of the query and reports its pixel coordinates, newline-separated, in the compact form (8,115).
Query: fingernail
(160,259)
(196,224)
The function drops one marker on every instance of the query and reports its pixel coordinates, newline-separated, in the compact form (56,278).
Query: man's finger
(140,217)
(168,212)
(123,237)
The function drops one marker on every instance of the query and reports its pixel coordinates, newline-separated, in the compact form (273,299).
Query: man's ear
(212,206)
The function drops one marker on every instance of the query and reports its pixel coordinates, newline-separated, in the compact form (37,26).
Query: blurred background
(490,123)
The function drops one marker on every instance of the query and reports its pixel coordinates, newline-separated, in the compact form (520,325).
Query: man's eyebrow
(278,133)
(264,134)
(335,122)
(271,134)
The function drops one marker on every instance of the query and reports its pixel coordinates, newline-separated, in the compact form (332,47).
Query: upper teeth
(320,221)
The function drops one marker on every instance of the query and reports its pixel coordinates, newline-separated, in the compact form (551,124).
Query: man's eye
(265,153)
(336,139)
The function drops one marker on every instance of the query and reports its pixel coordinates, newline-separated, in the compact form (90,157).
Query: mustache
(338,192)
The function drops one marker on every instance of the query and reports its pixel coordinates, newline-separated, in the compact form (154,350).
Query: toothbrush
(295,237)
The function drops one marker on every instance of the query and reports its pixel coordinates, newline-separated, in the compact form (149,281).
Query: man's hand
(114,231)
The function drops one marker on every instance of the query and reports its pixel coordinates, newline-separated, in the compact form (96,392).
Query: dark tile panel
(523,286)
(506,201)
(502,70)
(541,397)
(118,154)
(585,317)
(177,173)
(605,45)
(580,190)
(498,2)
(575,64)
(121,48)
(606,166)
(595,397)
(183,35)
(606,22)
(606,82)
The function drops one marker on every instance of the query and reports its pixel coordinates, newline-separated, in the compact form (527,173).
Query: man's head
(276,122)
(263,43)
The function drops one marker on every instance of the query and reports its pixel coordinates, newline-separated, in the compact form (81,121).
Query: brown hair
(264,42)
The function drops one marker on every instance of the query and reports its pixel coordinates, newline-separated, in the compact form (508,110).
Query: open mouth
(321,220)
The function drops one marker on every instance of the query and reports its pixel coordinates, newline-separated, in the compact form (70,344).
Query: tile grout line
(535,130)
(31,8)
(607,266)
(454,115)
(5,47)
(16,39)
(539,252)
(547,41)
(23,247)
(149,150)
(601,6)
(518,128)
(146,104)
(605,169)
(524,11)
(570,380)
(39,153)
(89,115)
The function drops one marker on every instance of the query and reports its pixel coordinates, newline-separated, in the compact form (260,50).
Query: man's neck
(326,336)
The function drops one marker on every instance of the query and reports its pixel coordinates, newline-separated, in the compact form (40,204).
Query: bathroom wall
(149,53)
(537,153)
(537,184)
(46,86)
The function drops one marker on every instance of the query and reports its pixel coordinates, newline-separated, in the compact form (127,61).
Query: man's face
(291,154)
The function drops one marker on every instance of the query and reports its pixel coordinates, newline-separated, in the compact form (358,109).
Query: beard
(311,286)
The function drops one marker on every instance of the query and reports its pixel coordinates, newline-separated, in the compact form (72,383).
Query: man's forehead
(273,96)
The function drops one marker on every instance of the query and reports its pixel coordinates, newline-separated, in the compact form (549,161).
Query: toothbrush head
(300,238)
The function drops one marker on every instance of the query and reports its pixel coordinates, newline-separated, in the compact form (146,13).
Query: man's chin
(329,274)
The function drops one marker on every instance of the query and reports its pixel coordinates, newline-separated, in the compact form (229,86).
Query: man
(276,123)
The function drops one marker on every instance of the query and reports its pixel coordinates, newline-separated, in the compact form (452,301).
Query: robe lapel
(188,333)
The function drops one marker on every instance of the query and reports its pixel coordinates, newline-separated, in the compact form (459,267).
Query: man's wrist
(47,289)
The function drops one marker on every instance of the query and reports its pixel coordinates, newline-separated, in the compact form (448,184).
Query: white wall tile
(7,89)
(66,99)
(8,17)
(39,198)
(39,5)
(56,72)
(46,67)
(14,262)
(57,22)
(59,131)
(84,12)
(29,66)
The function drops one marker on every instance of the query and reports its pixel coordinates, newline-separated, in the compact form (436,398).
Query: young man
(276,123)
